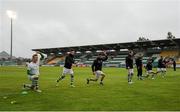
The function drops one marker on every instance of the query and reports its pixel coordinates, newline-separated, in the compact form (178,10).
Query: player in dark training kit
(161,66)
(149,70)
(97,68)
(69,60)
(139,66)
(129,66)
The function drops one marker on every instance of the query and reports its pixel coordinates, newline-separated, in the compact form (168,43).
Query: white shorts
(67,71)
(130,71)
(164,69)
(161,69)
(98,74)
(32,77)
(149,72)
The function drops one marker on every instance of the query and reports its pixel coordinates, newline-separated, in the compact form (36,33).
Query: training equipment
(13,102)
(5,97)
(24,92)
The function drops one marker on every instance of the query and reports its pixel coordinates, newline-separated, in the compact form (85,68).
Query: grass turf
(116,94)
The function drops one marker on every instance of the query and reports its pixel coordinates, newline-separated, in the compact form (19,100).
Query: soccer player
(161,67)
(139,67)
(97,68)
(149,69)
(33,74)
(69,60)
(129,66)
(174,64)
(165,64)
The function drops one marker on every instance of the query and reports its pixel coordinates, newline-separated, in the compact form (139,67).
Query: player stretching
(97,68)
(69,60)
(149,69)
(129,66)
(33,73)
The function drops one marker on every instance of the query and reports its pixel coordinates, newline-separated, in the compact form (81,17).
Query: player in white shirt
(33,72)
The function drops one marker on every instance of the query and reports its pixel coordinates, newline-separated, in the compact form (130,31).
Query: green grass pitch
(116,94)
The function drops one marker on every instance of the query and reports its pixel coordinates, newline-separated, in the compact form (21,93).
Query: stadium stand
(169,53)
(117,52)
(55,60)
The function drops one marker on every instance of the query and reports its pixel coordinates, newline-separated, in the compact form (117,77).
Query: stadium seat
(169,53)
(55,60)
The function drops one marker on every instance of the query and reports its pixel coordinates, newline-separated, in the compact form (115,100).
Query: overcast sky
(56,23)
